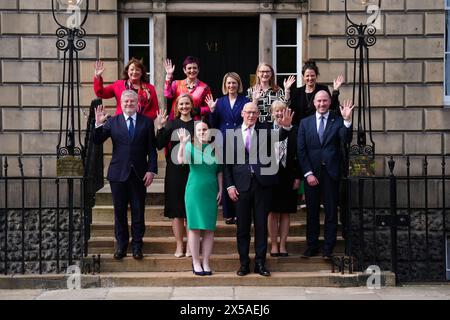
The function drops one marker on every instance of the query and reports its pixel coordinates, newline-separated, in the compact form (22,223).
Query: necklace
(190,86)
(308,99)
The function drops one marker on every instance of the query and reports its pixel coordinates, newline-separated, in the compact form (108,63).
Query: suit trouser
(130,192)
(254,202)
(328,191)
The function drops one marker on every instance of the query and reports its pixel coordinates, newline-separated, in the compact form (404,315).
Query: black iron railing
(399,223)
(41,230)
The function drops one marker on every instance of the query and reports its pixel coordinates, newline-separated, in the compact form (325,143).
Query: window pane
(286,60)
(140,53)
(287,31)
(138,30)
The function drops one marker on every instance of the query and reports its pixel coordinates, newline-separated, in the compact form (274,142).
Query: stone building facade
(407,66)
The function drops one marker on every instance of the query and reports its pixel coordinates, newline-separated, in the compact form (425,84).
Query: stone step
(185,279)
(155,194)
(105,213)
(218,262)
(222,245)
(164,229)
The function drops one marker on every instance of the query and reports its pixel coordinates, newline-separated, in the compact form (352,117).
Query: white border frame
(446,98)
(447,257)
(126,41)
(299,54)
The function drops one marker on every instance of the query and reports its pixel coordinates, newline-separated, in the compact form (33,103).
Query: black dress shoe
(137,254)
(310,252)
(120,254)
(230,220)
(327,255)
(243,271)
(283,254)
(261,269)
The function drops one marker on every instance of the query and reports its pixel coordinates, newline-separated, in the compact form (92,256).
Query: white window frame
(299,55)
(126,44)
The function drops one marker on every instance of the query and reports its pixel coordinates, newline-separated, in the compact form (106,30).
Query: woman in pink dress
(134,77)
(197,89)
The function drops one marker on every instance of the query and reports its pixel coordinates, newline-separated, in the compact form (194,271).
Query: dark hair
(189,60)
(311,65)
(140,65)
(205,120)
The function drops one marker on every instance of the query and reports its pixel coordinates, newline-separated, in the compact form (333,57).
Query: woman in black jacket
(302,99)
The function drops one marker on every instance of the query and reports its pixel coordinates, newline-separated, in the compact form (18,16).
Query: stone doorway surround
(266,9)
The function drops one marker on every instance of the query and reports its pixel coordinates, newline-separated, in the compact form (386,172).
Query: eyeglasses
(265,71)
(251,113)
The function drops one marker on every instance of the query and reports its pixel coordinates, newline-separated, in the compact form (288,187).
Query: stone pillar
(159,54)
(265,38)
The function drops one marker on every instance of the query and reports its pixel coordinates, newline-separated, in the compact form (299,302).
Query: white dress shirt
(134,117)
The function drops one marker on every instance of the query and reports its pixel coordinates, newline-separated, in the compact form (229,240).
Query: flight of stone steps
(161,268)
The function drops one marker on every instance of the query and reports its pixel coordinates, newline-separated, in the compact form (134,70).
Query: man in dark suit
(131,170)
(319,141)
(249,182)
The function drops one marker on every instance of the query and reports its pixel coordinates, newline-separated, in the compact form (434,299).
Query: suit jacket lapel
(123,127)
(228,110)
(138,126)
(315,133)
(236,112)
(330,123)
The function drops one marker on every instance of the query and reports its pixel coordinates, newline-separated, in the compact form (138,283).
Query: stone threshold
(187,279)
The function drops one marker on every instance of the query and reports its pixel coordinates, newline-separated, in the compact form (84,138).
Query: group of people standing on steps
(299,130)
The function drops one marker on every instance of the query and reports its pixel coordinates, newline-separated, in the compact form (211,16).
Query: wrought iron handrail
(93,172)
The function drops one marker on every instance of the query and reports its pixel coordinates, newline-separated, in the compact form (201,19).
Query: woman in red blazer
(134,77)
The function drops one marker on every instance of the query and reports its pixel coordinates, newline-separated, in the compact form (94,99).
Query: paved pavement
(406,292)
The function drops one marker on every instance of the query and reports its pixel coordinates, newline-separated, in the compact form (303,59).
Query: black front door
(222,44)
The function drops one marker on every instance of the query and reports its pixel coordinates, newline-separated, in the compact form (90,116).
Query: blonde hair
(234,76)
(277,104)
(272,83)
(176,112)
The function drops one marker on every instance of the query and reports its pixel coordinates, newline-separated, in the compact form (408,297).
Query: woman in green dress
(203,193)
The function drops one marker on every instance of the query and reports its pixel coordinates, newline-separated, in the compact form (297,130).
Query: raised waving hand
(99,68)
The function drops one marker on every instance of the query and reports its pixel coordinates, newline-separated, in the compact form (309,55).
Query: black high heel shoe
(197,273)
(207,273)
